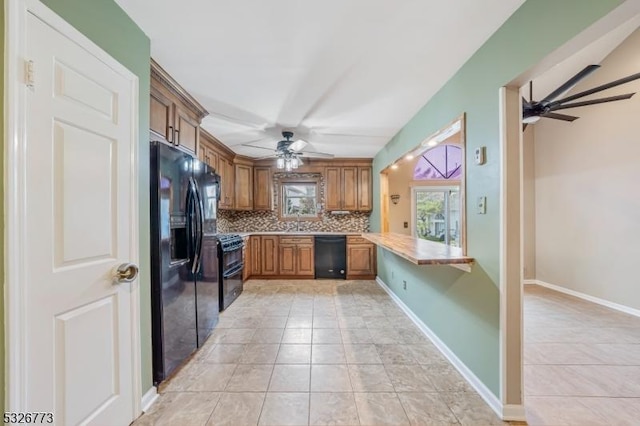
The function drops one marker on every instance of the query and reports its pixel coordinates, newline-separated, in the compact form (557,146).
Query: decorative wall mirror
(423,192)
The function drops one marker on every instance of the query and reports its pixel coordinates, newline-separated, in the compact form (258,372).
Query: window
(436,214)
(299,198)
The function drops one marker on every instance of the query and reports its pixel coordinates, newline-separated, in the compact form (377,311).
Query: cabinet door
(305,264)
(246,259)
(207,155)
(161,115)
(361,260)
(186,130)
(332,188)
(349,188)
(364,189)
(269,255)
(243,187)
(287,259)
(255,258)
(262,188)
(226,182)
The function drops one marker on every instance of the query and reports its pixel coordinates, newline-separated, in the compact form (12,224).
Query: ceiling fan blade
(313,154)
(592,102)
(569,84)
(562,117)
(530,91)
(265,157)
(597,89)
(298,145)
(259,147)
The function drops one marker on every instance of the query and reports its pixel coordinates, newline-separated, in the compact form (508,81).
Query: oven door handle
(234,271)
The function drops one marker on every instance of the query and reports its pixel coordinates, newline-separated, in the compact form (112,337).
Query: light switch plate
(482,205)
(479,155)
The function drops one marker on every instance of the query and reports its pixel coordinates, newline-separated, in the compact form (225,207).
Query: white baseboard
(149,398)
(528,282)
(508,412)
(603,302)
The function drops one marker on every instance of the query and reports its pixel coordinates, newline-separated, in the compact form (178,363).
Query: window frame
(281,199)
(444,187)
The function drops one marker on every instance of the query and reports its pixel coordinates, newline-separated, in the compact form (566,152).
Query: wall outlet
(406,224)
(479,155)
(482,205)
(404,285)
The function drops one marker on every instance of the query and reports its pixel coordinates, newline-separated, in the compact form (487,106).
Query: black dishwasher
(330,256)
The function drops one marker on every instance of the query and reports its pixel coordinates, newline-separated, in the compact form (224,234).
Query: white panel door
(79,171)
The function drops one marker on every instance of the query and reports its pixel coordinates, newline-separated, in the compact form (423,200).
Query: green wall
(463,308)
(109,27)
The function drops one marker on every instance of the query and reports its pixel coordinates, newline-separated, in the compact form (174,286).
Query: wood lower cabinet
(296,256)
(269,255)
(272,256)
(361,258)
(246,258)
(255,256)
(305,264)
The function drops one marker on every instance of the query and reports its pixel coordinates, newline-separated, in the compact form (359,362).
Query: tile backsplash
(265,221)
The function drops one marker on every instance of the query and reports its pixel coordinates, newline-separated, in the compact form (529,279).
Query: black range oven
(231,266)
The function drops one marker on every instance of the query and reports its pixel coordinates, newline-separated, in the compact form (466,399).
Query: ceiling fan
(289,153)
(532,110)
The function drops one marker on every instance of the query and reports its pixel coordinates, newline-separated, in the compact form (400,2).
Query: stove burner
(230,242)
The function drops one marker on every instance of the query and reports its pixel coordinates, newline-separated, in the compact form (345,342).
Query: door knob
(126,272)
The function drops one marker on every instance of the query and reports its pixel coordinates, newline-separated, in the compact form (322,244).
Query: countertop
(245,234)
(418,251)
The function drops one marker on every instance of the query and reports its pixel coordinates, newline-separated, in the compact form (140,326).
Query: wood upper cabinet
(227,182)
(361,258)
(161,114)
(243,199)
(187,130)
(269,255)
(349,176)
(365,185)
(348,188)
(262,198)
(174,114)
(332,188)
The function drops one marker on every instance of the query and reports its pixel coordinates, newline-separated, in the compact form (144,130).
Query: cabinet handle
(177,137)
(170,136)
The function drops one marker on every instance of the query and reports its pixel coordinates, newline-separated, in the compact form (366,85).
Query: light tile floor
(317,352)
(582,361)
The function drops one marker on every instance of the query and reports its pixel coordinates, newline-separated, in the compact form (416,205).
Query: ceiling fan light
(531,119)
(287,165)
(280,163)
(295,163)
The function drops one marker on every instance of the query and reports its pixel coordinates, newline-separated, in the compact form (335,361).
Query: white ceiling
(344,75)
(594,53)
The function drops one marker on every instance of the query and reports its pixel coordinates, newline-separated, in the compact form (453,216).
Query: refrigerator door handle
(200,223)
(190,224)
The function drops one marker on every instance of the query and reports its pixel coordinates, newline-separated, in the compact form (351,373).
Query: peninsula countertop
(418,251)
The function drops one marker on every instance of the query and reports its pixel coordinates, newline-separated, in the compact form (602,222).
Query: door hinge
(29,74)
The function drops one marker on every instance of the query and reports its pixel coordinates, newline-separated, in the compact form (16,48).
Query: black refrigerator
(184,257)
